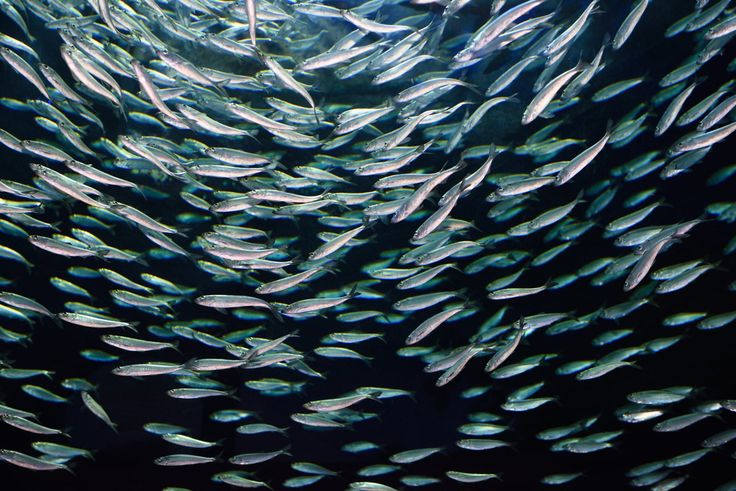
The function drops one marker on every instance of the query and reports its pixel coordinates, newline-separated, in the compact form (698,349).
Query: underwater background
(665,341)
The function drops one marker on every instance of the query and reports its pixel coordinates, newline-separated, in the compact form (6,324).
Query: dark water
(702,359)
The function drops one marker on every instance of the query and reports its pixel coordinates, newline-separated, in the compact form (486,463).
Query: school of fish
(315,220)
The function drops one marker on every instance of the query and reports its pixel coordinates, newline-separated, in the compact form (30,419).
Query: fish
(23,460)
(94,321)
(264,192)
(629,24)
(98,410)
(544,97)
(415,455)
(22,67)
(569,34)
(29,426)
(177,460)
(328,405)
(58,450)
(147,369)
(582,160)
(695,141)
(307,306)
(255,458)
(503,354)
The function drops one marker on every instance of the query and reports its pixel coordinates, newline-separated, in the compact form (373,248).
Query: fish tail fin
(141,260)
(353,291)
(606,40)
(140,191)
(609,128)
(277,315)
(316,117)
(56,320)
